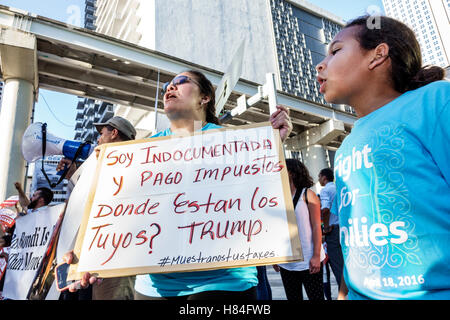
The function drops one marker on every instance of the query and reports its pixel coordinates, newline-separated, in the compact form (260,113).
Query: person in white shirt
(116,129)
(331,223)
(40,198)
(307,273)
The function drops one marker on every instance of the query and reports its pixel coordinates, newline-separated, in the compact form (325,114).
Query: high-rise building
(301,35)
(429,19)
(284,37)
(89,14)
(38,179)
(287,38)
(90,111)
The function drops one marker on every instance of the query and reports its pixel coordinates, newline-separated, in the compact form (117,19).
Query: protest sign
(3,262)
(28,247)
(208,200)
(10,202)
(7,221)
(75,206)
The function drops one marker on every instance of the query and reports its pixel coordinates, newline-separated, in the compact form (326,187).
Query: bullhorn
(37,143)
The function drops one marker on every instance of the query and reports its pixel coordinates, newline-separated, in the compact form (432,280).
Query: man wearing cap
(116,129)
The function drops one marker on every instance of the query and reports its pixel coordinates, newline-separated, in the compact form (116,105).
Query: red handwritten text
(160,178)
(114,241)
(182,206)
(249,228)
(121,159)
(130,209)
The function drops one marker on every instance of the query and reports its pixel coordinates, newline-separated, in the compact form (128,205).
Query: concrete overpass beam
(19,72)
(310,144)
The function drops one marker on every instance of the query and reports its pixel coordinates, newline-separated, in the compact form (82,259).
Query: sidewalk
(278,290)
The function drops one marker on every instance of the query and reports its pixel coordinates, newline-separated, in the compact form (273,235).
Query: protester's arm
(86,279)
(97,150)
(23,199)
(326,220)
(343,290)
(280,120)
(6,239)
(314,218)
(325,199)
(72,167)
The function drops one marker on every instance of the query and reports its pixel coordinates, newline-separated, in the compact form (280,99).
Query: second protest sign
(213,199)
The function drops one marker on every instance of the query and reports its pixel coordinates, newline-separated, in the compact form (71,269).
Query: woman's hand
(86,279)
(280,120)
(314,264)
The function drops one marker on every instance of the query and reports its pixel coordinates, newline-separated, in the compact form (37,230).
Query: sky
(58,110)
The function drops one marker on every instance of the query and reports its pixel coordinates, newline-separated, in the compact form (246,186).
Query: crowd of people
(382,212)
(39,200)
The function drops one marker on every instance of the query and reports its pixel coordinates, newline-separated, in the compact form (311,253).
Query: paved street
(278,290)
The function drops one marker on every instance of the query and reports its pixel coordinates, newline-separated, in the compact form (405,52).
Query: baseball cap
(119,123)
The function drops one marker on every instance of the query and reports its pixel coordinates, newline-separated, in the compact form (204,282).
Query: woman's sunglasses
(176,81)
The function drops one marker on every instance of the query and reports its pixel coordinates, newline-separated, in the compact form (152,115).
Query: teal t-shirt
(393,198)
(184,283)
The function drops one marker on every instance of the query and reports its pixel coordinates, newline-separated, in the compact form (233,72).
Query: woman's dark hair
(300,174)
(404,51)
(327,172)
(207,89)
(46,194)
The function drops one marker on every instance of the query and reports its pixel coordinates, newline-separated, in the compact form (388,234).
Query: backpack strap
(306,195)
(296,197)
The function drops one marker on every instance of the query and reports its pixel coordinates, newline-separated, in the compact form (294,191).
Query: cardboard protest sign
(75,207)
(28,247)
(6,219)
(213,199)
(6,222)
(10,202)
(45,276)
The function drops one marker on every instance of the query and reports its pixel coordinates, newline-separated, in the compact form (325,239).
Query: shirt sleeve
(325,198)
(334,207)
(441,137)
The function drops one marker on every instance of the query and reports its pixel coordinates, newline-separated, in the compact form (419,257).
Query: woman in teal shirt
(392,172)
(189,103)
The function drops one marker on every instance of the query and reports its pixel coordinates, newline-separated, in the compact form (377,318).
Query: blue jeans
(334,251)
(327,284)
(263,289)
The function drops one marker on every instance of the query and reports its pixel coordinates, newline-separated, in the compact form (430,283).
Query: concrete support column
(18,62)
(315,159)
(15,115)
(310,144)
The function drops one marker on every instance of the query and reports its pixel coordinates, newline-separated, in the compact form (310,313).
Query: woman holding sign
(189,103)
(307,273)
(392,172)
